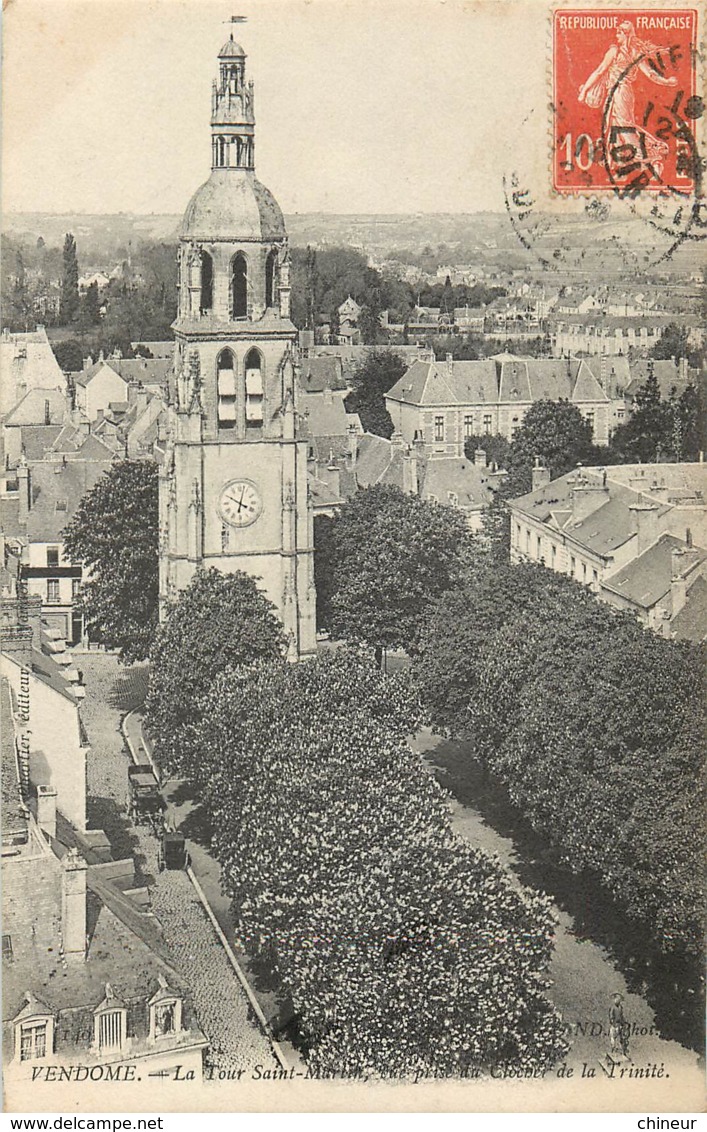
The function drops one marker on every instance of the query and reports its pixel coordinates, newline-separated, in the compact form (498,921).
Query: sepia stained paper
(375,122)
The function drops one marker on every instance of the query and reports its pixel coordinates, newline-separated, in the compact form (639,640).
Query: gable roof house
(443,403)
(105,384)
(86,979)
(636,535)
(27,362)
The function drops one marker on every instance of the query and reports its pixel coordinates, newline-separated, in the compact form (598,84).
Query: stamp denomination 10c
(624,101)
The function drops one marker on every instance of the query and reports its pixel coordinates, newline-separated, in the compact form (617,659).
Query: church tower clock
(233,484)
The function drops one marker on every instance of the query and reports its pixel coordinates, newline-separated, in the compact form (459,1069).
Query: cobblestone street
(224,1013)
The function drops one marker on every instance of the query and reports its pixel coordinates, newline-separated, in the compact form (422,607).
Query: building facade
(635,535)
(233,486)
(444,403)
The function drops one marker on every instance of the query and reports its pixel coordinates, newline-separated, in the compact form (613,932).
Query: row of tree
(403,951)
(140,302)
(322,280)
(595,725)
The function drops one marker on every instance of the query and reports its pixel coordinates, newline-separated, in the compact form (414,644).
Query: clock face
(240,503)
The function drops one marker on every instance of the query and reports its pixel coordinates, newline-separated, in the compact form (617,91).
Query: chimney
(24,477)
(411,479)
(73,905)
(643,524)
(450,365)
(333,475)
(480,457)
(683,560)
(588,495)
(603,371)
(46,809)
(353,446)
(540,475)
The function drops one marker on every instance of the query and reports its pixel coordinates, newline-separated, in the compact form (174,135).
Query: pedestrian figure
(618,1027)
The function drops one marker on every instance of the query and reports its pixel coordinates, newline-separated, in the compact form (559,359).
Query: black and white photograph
(353,517)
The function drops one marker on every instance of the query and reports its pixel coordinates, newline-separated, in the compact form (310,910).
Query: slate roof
(32,409)
(14,816)
(378,461)
(506,379)
(690,624)
(431,383)
(53,481)
(157,349)
(354,356)
(69,439)
(324,413)
(471,483)
(10,514)
(647,579)
(26,360)
(667,373)
(609,526)
(36,440)
(322,494)
(115,955)
(317,374)
(149,371)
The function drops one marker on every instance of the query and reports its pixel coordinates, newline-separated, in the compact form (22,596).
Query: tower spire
(232,109)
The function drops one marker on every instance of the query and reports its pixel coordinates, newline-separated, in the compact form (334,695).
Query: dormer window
(165,1012)
(34,1030)
(110,1023)
(33,1040)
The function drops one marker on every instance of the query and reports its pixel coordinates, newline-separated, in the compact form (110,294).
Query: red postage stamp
(624,100)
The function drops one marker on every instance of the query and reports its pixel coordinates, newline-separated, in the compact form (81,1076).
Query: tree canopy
(219,621)
(594,724)
(114,533)
(402,949)
(69,281)
(370,382)
(658,429)
(386,555)
(558,433)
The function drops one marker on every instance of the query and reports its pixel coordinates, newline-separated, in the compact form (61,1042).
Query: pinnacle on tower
(232,112)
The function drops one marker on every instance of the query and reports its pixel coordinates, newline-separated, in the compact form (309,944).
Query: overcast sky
(360,106)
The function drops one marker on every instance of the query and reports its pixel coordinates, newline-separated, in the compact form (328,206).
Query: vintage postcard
(354,556)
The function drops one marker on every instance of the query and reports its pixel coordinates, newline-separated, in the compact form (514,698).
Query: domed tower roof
(232,206)
(231,50)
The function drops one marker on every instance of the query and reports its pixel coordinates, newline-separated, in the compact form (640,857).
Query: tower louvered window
(226,390)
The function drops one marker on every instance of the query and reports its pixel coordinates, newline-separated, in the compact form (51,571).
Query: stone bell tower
(233,485)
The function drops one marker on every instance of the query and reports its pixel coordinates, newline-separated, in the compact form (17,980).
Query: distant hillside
(589,247)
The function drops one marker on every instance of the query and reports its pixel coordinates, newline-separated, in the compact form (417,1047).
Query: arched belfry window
(207,282)
(226,389)
(253,389)
(239,287)
(221,151)
(270,264)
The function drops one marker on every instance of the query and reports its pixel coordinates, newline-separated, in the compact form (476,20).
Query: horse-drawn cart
(145,802)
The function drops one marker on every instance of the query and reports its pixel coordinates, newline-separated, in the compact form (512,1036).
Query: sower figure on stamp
(613,80)
(618,1027)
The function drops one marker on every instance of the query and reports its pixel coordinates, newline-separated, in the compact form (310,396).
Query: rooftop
(14,812)
(55,483)
(647,579)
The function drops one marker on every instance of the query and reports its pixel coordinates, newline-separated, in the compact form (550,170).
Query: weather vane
(236,20)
